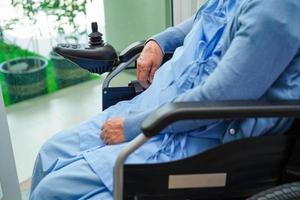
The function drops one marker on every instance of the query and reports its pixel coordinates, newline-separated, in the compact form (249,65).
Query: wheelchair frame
(220,110)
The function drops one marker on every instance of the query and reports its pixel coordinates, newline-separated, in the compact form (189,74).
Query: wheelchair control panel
(100,57)
(96,57)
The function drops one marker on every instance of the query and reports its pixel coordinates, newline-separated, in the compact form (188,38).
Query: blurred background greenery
(30,28)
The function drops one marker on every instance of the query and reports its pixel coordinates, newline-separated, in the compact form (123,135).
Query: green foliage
(12,51)
(64,11)
(9,25)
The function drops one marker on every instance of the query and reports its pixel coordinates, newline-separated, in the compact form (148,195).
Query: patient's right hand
(148,62)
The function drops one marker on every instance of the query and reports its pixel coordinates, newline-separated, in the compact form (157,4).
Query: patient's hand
(113,131)
(148,62)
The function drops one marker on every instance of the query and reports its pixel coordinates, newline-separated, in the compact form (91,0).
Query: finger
(112,140)
(155,66)
(105,124)
(102,136)
(140,65)
(107,140)
(144,79)
(153,70)
(144,71)
(104,133)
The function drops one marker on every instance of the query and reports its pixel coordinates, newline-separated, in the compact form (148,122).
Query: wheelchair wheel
(289,191)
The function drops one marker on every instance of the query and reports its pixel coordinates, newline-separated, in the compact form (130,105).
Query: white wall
(183,9)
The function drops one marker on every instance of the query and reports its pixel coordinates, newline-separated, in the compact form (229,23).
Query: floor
(33,121)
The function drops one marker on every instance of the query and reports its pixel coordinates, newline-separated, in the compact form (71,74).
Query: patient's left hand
(113,131)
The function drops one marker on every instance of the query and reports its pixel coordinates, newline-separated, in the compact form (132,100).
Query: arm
(116,130)
(173,37)
(155,48)
(267,39)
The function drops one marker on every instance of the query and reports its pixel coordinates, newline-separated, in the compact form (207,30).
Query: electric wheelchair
(235,170)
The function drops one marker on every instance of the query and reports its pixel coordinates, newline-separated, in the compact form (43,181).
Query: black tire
(290,191)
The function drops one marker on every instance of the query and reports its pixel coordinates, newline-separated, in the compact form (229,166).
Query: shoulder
(275,15)
(272,3)
(274,9)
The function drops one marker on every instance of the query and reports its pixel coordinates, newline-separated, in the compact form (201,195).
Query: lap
(76,180)
(59,151)
(62,145)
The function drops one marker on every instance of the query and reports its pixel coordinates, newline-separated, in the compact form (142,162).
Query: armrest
(127,56)
(131,50)
(173,112)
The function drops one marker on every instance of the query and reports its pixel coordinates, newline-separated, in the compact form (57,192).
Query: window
(35,82)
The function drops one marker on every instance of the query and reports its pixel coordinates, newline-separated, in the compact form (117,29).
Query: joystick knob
(95,36)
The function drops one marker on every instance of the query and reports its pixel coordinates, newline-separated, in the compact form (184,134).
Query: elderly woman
(230,50)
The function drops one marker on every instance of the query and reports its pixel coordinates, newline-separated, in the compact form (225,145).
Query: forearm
(173,37)
(132,124)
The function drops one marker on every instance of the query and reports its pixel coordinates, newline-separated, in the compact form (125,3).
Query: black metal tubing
(173,112)
(132,50)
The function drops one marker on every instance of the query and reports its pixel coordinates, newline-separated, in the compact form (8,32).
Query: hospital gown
(230,50)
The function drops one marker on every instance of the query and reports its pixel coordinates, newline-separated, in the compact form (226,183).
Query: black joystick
(95,36)
(97,56)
